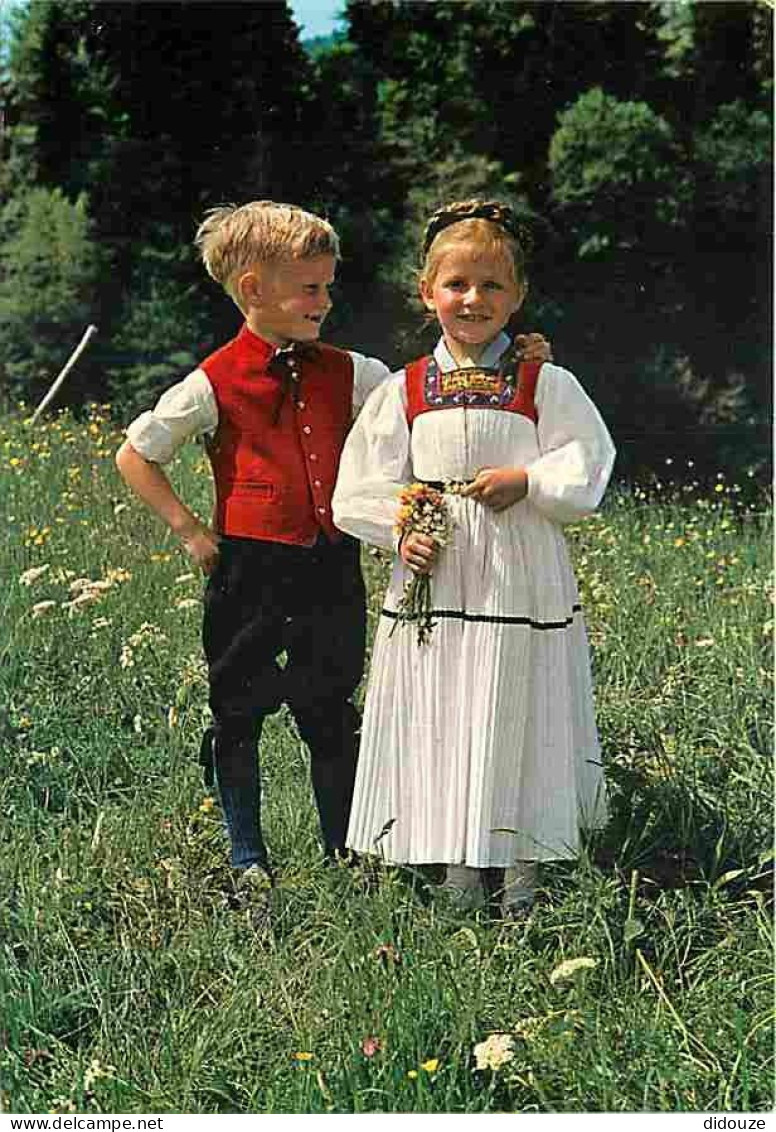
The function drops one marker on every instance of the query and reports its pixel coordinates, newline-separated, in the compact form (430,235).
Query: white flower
(495,1051)
(42,607)
(187,603)
(570,967)
(32,575)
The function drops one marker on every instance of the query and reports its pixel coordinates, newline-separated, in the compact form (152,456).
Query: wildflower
(496,1051)
(117,574)
(412,1074)
(207,804)
(719,488)
(96,1070)
(386,953)
(679,542)
(42,607)
(570,967)
(303,1055)
(187,603)
(32,575)
(431,1065)
(370,1046)
(422,509)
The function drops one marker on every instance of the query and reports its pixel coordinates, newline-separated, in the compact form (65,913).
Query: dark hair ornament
(499,214)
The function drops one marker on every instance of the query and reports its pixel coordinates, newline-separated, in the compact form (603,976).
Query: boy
(274,405)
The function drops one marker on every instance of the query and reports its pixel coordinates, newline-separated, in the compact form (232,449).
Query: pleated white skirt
(480,746)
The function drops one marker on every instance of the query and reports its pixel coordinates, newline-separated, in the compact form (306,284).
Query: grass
(127,985)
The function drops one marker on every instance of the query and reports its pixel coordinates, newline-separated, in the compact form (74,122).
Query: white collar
(445,360)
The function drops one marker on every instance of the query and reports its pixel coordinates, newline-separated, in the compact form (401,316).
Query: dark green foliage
(636,138)
(49,269)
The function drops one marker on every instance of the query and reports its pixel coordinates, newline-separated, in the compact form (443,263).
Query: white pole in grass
(90,330)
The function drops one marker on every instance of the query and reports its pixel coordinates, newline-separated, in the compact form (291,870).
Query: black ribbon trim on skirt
(492,618)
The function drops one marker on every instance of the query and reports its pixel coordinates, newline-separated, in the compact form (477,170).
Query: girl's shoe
(464,888)
(519,889)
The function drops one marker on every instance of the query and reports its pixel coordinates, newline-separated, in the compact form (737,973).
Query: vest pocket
(255,490)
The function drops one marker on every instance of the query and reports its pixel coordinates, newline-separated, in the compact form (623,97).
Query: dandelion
(303,1055)
(571,967)
(679,542)
(495,1052)
(431,1065)
(412,1074)
(32,575)
(41,608)
(207,804)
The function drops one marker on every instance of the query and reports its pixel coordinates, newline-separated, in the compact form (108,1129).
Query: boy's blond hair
(234,238)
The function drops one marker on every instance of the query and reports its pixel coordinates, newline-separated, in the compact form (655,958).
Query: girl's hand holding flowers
(423,525)
(498,488)
(418,551)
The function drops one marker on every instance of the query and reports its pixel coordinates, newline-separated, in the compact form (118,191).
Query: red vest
(510,388)
(275,462)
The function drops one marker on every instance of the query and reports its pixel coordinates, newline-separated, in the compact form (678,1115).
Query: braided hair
(501,215)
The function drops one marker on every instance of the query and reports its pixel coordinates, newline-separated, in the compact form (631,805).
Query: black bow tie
(284,365)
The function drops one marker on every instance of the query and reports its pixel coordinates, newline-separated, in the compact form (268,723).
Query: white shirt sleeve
(375,466)
(368,373)
(185,410)
(568,480)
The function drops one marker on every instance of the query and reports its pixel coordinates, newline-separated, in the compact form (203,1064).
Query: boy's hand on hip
(498,488)
(418,552)
(535,348)
(201,545)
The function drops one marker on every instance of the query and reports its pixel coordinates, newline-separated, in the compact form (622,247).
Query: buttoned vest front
(275,457)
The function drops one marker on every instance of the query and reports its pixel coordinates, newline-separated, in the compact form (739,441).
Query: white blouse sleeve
(568,480)
(185,410)
(368,374)
(375,466)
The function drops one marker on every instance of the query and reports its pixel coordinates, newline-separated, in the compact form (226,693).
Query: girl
(479,746)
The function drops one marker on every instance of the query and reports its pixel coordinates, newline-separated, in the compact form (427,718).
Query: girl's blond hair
(233,238)
(489,225)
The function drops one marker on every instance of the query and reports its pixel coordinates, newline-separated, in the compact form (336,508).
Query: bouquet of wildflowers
(422,509)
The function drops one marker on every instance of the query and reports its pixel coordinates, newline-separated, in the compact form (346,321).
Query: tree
(49,266)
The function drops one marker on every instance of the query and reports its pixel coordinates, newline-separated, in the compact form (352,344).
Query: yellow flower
(679,542)
(431,1065)
(719,488)
(412,1074)
(205,806)
(303,1055)
(571,967)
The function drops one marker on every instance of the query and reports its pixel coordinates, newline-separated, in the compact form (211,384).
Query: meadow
(642,981)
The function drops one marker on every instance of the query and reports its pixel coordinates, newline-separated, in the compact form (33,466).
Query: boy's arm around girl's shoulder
(187,409)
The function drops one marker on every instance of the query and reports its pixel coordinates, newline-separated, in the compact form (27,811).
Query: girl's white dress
(480,746)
